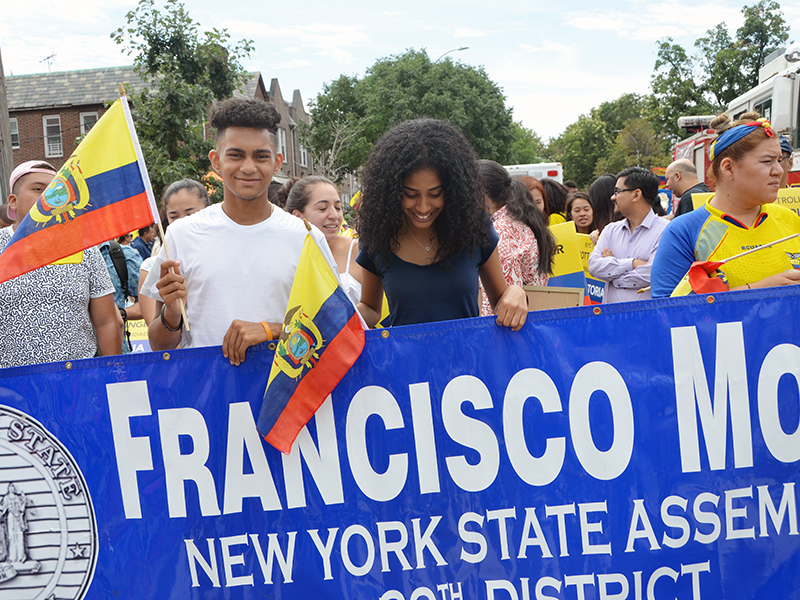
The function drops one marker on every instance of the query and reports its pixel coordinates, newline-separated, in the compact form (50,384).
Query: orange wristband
(265,325)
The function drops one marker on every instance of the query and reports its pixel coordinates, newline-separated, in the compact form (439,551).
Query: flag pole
(153,210)
(757,248)
(745,253)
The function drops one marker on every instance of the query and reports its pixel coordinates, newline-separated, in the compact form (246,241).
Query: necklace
(426,248)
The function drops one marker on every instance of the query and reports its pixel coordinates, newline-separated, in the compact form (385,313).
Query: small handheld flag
(321,337)
(101,192)
(701,278)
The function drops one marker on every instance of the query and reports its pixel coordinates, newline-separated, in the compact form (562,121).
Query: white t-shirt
(350,285)
(233,271)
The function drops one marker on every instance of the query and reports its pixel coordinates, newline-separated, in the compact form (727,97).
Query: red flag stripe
(317,384)
(94,228)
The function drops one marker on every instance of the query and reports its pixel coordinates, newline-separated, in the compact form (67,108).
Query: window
(764,108)
(14,133)
(282,141)
(87,122)
(303,156)
(52,136)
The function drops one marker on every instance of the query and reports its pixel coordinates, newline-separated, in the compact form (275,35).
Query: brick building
(48,111)
(296,160)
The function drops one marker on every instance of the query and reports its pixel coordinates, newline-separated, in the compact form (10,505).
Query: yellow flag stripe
(108,145)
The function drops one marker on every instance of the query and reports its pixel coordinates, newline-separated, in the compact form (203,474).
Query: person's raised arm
(510,303)
(164,330)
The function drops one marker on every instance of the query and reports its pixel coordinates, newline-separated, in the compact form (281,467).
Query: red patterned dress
(519,255)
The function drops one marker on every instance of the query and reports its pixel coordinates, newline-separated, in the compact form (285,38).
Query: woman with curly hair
(425,236)
(526,247)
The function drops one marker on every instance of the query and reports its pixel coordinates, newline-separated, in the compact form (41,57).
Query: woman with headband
(745,165)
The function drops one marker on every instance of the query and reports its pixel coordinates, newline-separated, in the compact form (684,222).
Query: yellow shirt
(709,234)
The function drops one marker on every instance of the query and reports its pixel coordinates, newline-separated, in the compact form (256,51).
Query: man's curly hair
(243,112)
(403,150)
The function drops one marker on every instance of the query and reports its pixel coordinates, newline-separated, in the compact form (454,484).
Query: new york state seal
(48,532)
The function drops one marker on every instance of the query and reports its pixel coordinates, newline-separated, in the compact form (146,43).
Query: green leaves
(186,72)
(764,30)
(722,69)
(617,134)
(351,113)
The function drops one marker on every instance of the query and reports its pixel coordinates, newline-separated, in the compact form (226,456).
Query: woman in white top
(180,199)
(316,199)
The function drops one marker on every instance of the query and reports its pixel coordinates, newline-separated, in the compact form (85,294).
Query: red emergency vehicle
(776,97)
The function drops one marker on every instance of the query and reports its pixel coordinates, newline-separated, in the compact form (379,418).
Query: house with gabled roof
(49,111)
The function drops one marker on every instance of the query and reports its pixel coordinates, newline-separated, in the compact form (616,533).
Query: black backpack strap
(118,258)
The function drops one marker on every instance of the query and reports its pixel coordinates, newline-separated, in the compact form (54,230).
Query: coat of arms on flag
(101,192)
(321,337)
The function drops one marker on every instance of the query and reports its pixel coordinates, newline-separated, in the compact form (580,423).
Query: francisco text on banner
(454,460)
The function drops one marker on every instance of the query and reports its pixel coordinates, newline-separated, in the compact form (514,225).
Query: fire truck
(776,97)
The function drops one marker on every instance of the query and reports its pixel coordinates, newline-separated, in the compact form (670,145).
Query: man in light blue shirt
(624,252)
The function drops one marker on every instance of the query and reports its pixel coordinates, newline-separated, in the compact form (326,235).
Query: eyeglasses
(618,191)
(785,157)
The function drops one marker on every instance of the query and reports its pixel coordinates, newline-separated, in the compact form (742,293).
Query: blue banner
(638,451)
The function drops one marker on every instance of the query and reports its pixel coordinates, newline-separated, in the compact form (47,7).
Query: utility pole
(6,156)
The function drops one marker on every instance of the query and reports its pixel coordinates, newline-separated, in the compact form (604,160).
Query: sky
(553,60)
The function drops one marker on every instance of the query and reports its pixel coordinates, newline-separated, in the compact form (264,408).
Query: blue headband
(734,134)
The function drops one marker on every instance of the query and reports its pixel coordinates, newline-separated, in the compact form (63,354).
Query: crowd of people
(440,234)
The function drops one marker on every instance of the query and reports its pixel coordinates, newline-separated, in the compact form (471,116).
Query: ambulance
(537,170)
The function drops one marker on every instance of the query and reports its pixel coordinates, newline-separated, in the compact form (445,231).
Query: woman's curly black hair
(403,150)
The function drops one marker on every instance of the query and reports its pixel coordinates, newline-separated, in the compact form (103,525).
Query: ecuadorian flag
(100,193)
(321,338)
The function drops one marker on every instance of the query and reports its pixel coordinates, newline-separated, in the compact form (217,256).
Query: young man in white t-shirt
(233,262)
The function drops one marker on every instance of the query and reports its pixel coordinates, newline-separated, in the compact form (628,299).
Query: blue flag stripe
(332,316)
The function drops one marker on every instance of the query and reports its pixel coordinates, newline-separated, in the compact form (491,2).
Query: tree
(722,69)
(335,136)
(404,87)
(722,63)
(527,146)
(616,113)
(674,89)
(185,73)
(637,144)
(764,31)
(615,135)
(583,144)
